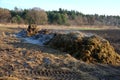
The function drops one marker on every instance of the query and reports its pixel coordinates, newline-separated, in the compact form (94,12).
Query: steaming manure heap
(86,47)
(89,48)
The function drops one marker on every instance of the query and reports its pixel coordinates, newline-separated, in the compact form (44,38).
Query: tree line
(60,17)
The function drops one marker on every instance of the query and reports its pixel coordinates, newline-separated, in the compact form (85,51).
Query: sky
(101,7)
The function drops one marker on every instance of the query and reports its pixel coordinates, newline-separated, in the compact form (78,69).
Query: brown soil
(23,61)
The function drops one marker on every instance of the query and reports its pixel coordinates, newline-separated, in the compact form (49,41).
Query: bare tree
(4,15)
(37,16)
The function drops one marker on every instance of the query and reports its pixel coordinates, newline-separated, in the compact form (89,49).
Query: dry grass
(16,57)
(8,78)
(83,27)
(62,27)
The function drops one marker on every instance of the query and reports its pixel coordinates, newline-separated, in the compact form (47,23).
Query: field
(26,61)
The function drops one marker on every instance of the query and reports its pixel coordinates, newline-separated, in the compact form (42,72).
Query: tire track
(53,74)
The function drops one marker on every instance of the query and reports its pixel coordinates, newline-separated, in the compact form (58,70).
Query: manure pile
(85,47)
(89,48)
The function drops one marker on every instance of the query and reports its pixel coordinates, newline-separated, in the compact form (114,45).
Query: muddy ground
(23,61)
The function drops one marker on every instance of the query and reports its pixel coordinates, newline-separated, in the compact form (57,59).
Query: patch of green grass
(86,29)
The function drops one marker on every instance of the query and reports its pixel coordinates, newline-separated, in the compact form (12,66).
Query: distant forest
(60,17)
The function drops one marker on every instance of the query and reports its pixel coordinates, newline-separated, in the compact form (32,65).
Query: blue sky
(107,7)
